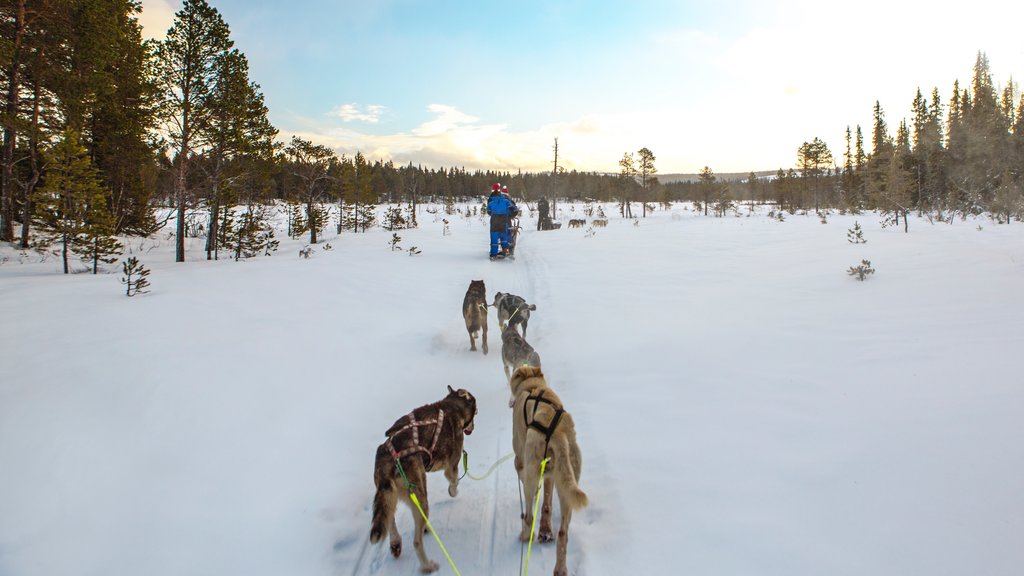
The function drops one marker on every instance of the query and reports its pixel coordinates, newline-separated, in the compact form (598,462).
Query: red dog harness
(415,425)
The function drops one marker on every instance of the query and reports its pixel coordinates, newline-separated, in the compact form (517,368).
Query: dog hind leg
(530,478)
(544,533)
(563,539)
(418,477)
(483,326)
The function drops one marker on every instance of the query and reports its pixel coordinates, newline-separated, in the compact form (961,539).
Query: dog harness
(415,425)
(530,416)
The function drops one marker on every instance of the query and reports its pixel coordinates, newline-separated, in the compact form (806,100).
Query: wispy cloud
(370,114)
(157,17)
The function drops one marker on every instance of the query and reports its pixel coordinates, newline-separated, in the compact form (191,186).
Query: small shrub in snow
(395,239)
(447,228)
(414,251)
(135,277)
(306,252)
(862,271)
(855,235)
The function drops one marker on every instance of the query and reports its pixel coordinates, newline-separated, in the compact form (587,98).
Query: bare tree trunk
(33,159)
(11,109)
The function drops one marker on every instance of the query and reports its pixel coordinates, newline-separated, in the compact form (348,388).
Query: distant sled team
(430,438)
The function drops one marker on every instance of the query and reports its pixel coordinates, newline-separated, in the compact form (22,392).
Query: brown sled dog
(474,311)
(426,440)
(542,428)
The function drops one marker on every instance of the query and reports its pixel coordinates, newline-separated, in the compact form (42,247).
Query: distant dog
(541,428)
(516,352)
(426,440)
(600,223)
(576,222)
(512,310)
(474,311)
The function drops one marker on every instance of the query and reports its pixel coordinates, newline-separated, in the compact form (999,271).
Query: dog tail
(532,307)
(567,469)
(386,498)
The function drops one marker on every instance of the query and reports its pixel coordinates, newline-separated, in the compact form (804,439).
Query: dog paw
(561,571)
(453,490)
(396,549)
(428,567)
(545,535)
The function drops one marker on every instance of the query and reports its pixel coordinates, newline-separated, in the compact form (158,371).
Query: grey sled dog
(512,310)
(516,352)
(541,428)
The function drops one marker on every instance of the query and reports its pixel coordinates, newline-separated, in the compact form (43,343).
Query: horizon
(698,87)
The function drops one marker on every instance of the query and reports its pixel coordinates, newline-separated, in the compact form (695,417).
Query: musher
(502,209)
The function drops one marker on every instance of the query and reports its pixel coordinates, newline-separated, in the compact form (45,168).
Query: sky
(735,85)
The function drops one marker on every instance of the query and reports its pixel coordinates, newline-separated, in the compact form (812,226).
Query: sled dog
(427,439)
(512,310)
(474,311)
(542,428)
(516,352)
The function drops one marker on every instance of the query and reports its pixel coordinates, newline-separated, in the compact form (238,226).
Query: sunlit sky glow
(734,85)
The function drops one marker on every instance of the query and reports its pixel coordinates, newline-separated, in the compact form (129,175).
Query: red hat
(496,187)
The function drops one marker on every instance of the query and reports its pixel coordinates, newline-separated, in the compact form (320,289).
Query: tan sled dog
(474,311)
(427,439)
(541,427)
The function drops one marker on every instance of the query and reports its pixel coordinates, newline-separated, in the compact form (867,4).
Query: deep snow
(743,405)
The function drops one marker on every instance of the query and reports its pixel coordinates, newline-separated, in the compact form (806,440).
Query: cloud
(371,114)
(157,17)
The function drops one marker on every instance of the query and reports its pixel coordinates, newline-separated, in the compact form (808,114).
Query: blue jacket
(499,205)
(502,209)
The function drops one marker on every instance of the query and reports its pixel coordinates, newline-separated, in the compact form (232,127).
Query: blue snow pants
(499,238)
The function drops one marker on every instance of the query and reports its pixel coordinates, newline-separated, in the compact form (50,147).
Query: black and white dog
(512,310)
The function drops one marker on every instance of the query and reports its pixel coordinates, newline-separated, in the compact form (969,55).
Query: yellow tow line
(416,501)
(536,505)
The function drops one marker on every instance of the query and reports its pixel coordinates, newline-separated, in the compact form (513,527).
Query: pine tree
(122,124)
(707,187)
(812,158)
(627,183)
(855,235)
(187,61)
(135,277)
(310,167)
(235,130)
(645,170)
(71,204)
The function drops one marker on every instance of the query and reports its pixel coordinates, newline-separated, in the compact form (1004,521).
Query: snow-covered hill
(743,405)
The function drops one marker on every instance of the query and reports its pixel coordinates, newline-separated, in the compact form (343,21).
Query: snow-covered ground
(743,405)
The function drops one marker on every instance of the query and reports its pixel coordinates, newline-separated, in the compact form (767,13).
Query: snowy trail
(480,527)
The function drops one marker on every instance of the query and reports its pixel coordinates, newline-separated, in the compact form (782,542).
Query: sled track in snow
(480,528)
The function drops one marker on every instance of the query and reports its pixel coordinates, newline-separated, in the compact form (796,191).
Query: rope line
(416,501)
(465,466)
(536,506)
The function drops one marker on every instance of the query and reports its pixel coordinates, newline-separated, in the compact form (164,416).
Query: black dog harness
(416,446)
(530,416)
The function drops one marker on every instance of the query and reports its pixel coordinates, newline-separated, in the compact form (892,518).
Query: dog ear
(450,391)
